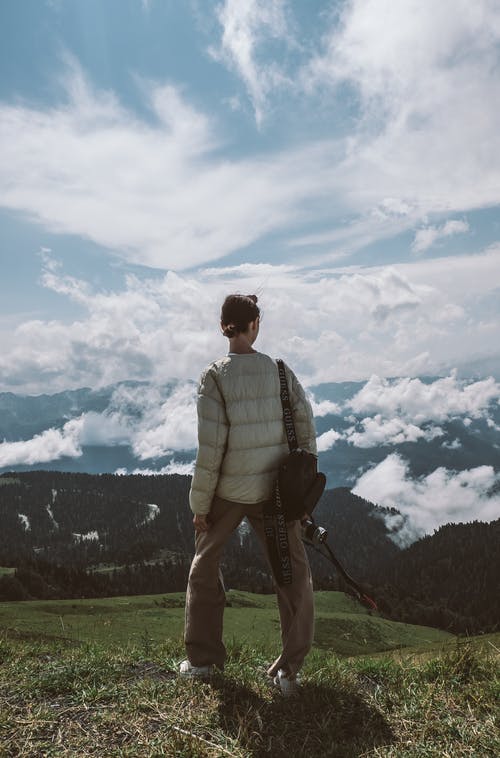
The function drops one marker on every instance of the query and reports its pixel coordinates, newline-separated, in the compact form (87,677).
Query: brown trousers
(205,598)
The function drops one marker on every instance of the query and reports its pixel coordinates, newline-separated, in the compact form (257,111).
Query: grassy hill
(343,626)
(97,678)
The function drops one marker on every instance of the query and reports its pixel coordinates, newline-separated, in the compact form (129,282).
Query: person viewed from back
(242,442)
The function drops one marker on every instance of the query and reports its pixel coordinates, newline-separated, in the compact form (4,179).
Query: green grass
(5,571)
(98,678)
(58,699)
(343,626)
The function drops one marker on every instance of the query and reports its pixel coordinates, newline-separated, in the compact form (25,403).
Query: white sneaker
(186,669)
(289,685)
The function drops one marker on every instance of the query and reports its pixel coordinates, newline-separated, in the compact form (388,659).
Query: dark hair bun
(238,311)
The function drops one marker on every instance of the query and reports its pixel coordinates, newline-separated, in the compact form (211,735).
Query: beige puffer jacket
(241,434)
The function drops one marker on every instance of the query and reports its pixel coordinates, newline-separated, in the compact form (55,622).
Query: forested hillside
(450,579)
(80,535)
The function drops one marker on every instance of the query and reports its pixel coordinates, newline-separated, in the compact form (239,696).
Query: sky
(339,159)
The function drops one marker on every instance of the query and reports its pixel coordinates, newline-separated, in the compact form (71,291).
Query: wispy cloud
(425,80)
(246,26)
(156,192)
(162,191)
(429,235)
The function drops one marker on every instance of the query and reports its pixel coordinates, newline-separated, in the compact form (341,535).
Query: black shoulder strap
(287,408)
(275,528)
(276,535)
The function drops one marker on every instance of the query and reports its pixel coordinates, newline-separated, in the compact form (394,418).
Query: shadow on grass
(321,721)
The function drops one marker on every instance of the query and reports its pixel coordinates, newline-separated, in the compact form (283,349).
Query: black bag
(300,484)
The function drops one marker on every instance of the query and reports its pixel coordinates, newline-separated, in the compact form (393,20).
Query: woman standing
(242,442)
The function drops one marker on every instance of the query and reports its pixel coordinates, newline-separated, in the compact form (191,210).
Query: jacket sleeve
(212,440)
(302,415)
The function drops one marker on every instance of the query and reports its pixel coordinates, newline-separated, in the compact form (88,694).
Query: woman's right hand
(200,522)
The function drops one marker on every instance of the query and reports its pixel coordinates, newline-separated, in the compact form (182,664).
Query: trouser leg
(295,601)
(205,596)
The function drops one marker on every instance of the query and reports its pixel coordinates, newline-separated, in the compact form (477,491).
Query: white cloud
(425,77)
(394,431)
(427,236)
(169,426)
(156,192)
(372,432)
(330,325)
(246,25)
(492,424)
(323,407)
(163,193)
(50,445)
(430,501)
(407,409)
(152,421)
(453,445)
(419,402)
(327,440)
(101,429)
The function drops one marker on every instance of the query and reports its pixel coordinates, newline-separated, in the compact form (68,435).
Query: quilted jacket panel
(241,436)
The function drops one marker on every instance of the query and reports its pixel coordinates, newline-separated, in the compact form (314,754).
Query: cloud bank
(154,422)
(341,324)
(418,401)
(429,501)
(379,431)
(51,445)
(392,412)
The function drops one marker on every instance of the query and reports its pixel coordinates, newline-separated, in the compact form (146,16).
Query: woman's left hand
(200,522)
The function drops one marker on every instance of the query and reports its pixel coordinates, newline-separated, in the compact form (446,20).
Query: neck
(240,344)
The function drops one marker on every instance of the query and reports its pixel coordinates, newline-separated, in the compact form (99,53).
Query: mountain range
(358,425)
(74,535)
(427,446)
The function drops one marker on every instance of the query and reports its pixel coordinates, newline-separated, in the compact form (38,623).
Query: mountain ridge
(60,528)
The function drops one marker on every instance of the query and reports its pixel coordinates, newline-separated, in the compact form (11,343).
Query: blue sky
(341,159)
